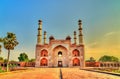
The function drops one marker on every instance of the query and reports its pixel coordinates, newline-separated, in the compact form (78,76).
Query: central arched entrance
(59,56)
(76,62)
(60,64)
(44,62)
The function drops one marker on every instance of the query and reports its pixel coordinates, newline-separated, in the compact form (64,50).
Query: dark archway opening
(76,62)
(59,63)
(59,53)
(44,62)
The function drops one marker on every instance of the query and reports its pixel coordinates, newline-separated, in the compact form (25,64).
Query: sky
(100,22)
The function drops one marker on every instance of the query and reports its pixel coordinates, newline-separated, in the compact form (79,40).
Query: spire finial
(79,22)
(40,22)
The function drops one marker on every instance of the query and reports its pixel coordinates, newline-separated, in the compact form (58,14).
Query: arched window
(44,62)
(76,62)
(105,65)
(111,65)
(101,65)
(44,53)
(59,53)
(117,65)
(76,52)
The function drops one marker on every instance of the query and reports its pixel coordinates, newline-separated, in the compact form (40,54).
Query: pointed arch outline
(44,62)
(75,52)
(44,53)
(76,62)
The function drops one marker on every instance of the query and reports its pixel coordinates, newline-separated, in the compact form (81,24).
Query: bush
(12,66)
(1,70)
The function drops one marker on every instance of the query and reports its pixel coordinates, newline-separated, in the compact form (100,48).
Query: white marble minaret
(75,38)
(80,32)
(44,37)
(39,36)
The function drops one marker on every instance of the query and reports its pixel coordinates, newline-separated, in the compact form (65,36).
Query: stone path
(74,73)
(37,73)
(54,73)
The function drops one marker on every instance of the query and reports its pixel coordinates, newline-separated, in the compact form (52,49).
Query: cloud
(109,44)
(93,45)
(109,34)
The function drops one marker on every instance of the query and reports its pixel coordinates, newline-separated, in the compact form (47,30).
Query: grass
(113,70)
(116,71)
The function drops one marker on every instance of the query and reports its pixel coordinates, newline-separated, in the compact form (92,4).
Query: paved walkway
(75,73)
(54,73)
(37,73)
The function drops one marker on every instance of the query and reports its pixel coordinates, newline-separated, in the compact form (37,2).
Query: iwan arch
(59,53)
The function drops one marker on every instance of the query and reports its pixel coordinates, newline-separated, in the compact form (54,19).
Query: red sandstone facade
(59,53)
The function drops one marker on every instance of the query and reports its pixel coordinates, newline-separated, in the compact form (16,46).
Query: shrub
(1,70)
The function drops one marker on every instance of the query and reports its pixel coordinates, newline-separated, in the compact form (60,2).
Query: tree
(23,57)
(91,60)
(5,60)
(0,49)
(9,42)
(106,58)
(0,45)
(32,60)
(1,59)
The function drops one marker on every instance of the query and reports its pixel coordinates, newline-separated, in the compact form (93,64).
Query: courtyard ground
(75,73)
(54,73)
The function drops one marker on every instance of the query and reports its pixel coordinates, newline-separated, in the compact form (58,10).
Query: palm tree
(0,49)
(9,43)
(0,45)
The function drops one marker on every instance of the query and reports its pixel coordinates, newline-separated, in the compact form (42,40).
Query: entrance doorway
(59,63)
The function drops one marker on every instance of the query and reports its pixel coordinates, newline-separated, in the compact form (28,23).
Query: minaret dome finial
(39,22)
(79,22)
